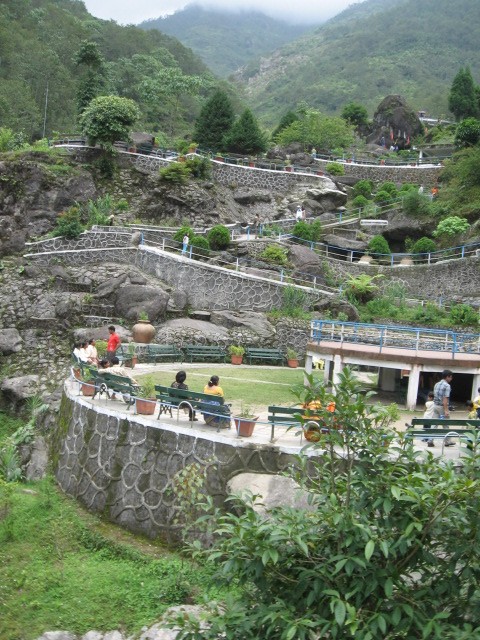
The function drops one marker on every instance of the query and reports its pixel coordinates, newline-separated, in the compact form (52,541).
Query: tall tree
(90,60)
(245,135)
(462,100)
(355,114)
(285,122)
(107,119)
(214,122)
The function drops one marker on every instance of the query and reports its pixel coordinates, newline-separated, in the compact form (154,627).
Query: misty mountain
(228,40)
(370,50)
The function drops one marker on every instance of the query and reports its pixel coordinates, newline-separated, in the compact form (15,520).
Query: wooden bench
(270,355)
(204,352)
(436,429)
(171,398)
(112,384)
(289,417)
(159,352)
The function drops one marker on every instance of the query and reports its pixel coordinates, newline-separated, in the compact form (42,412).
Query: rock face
(401,226)
(133,298)
(15,391)
(31,197)
(393,115)
(10,341)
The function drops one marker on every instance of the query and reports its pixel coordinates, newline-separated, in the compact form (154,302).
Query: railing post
(340,216)
(237,265)
(142,240)
(351,256)
(381,339)
(190,252)
(463,251)
(314,281)
(248,233)
(163,244)
(281,275)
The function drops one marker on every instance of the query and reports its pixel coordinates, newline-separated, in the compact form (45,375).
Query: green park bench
(265,355)
(289,417)
(436,429)
(204,352)
(160,352)
(110,384)
(171,398)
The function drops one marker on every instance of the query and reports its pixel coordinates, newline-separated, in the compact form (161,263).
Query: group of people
(86,351)
(212,388)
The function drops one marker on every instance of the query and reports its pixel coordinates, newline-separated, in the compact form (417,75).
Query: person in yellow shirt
(212,388)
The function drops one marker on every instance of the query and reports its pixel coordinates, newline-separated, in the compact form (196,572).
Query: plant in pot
(132,358)
(236,352)
(143,331)
(87,386)
(292,358)
(145,400)
(245,422)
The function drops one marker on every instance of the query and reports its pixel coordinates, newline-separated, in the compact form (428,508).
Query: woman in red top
(113,343)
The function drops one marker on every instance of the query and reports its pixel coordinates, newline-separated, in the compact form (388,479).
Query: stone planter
(245,426)
(145,406)
(236,359)
(88,389)
(143,332)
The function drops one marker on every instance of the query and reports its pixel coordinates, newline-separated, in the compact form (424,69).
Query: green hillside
(38,41)
(373,49)
(225,40)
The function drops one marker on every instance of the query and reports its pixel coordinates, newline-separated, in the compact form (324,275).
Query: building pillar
(412,391)
(326,372)
(308,367)
(386,379)
(337,369)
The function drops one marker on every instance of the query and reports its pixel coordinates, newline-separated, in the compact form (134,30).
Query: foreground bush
(387,548)
(219,237)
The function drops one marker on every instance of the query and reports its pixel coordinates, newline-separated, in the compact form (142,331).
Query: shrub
(275,254)
(383,197)
(429,314)
(201,246)
(361,288)
(378,244)
(199,167)
(335,169)
(360,202)
(183,231)
(219,237)
(414,203)
(69,223)
(176,172)
(464,314)
(423,245)
(310,231)
(363,188)
(390,188)
(451,226)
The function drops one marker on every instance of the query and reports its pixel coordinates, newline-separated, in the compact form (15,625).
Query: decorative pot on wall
(245,426)
(88,388)
(145,406)
(292,363)
(236,359)
(143,332)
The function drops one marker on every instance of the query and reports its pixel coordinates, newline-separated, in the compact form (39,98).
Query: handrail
(398,337)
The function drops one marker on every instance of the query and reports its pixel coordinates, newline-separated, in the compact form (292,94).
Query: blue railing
(383,336)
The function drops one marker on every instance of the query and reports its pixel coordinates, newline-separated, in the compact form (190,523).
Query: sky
(136,11)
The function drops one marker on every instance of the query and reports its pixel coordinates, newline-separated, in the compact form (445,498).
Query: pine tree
(462,100)
(214,122)
(245,136)
(285,122)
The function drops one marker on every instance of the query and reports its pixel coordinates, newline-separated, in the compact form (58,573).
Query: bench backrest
(112,378)
(162,348)
(446,423)
(174,394)
(203,348)
(283,414)
(267,352)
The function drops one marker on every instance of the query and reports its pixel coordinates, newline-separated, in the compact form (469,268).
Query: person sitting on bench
(179,383)
(213,389)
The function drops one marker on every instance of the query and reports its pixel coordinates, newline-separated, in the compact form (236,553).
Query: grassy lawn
(62,568)
(254,386)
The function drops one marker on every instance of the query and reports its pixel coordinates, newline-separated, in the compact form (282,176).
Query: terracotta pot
(288,168)
(245,426)
(293,363)
(143,332)
(88,389)
(312,434)
(237,359)
(77,373)
(145,406)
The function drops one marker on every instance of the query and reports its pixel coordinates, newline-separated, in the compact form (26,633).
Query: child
(428,414)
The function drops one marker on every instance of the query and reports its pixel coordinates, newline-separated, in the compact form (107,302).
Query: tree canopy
(315,129)
(462,100)
(214,122)
(245,135)
(108,119)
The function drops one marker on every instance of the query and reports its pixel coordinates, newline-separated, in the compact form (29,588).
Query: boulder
(394,114)
(329,198)
(336,306)
(272,491)
(255,322)
(188,330)
(401,226)
(303,259)
(100,333)
(10,341)
(131,299)
(37,466)
(16,391)
(109,287)
(345,243)
(250,197)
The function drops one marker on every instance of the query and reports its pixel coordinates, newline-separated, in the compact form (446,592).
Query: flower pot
(219,159)
(312,433)
(288,168)
(145,406)
(245,426)
(77,373)
(292,363)
(131,362)
(237,359)
(88,389)
(251,164)
(143,332)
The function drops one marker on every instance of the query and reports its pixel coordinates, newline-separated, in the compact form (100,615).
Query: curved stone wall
(207,286)
(384,173)
(126,469)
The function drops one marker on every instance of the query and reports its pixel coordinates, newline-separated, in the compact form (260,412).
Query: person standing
(441,399)
(113,343)
(298,214)
(185,244)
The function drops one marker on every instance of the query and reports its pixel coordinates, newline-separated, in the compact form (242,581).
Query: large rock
(16,391)
(345,243)
(328,198)
(131,299)
(188,330)
(101,333)
(335,306)
(255,322)
(393,114)
(37,465)
(250,197)
(10,341)
(273,491)
(401,226)
(109,288)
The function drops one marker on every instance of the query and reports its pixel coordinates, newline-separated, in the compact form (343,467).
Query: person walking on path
(113,343)
(185,242)
(441,399)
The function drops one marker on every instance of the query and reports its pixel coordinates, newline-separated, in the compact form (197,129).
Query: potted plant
(145,400)
(143,331)
(132,359)
(292,358)
(236,352)
(87,384)
(245,422)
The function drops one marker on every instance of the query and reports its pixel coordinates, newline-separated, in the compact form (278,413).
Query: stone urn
(143,332)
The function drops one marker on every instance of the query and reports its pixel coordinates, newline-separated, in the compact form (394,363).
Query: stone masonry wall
(427,176)
(207,286)
(126,469)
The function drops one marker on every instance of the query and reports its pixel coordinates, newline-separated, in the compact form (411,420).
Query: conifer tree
(245,135)
(462,100)
(214,122)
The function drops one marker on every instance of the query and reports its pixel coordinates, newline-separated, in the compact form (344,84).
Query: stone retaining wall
(86,240)
(427,176)
(206,286)
(127,470)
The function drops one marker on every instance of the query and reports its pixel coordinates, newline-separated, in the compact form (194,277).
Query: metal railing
(383,336)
